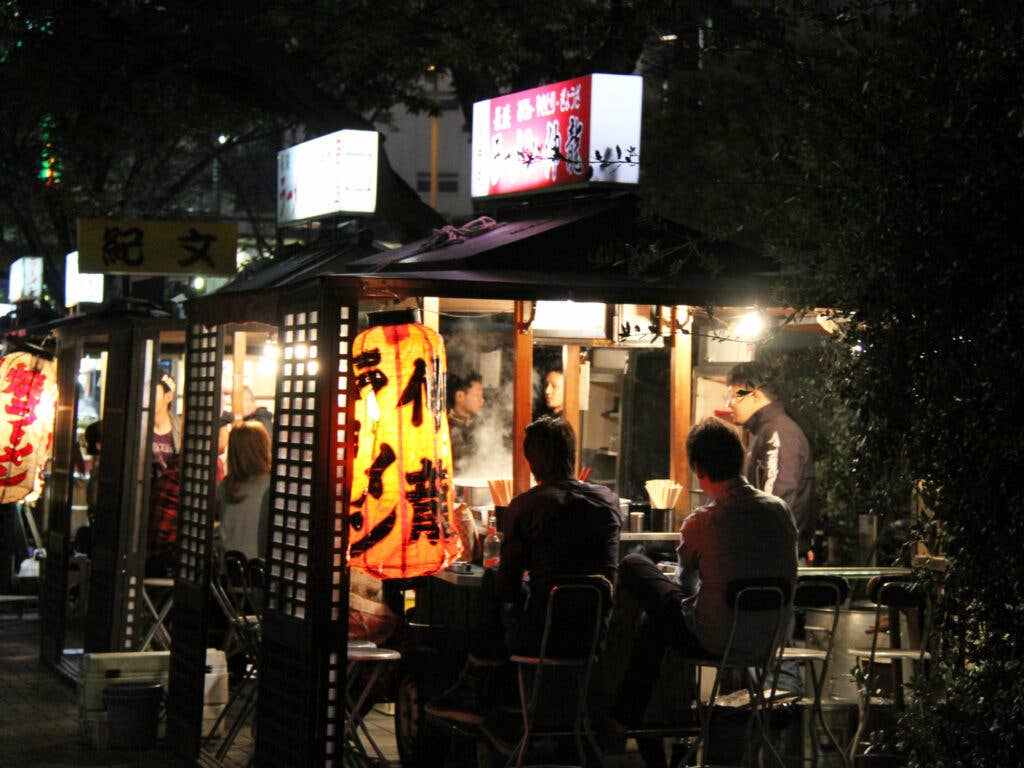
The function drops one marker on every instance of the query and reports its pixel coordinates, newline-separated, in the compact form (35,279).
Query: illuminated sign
(28,395)
(25,281)
(80,287)
(336,173)
(580,131)
(133,247)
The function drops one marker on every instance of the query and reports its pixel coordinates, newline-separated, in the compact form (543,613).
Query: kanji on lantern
(401,502)
(28,394)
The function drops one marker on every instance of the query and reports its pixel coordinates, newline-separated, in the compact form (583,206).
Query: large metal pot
(472,491)
(851,632)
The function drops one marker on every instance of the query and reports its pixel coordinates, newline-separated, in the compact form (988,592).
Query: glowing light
(199,282)
(749,327)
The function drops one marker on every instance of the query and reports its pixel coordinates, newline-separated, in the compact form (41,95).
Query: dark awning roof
(581,252)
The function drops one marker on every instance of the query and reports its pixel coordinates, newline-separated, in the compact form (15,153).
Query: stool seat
(804,654)
(373,654)
(364,652)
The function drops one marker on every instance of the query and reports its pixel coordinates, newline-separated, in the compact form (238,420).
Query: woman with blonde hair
(243,497)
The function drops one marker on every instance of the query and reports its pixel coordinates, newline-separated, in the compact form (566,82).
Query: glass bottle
(492,543)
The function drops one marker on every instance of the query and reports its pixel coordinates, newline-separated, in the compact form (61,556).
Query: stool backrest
(577,607)
(820,591)
(761,610)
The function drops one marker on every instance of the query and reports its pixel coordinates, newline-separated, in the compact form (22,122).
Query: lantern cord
(19,344)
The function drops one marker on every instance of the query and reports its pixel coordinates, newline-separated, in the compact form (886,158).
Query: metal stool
(572,632)
(364,652)
(827,592)
(752,601)
(892,595)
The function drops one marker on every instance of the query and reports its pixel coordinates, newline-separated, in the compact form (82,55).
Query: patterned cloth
(162,535)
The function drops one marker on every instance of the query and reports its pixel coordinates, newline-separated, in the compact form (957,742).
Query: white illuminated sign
(336,173)
(569,320)
(81,287)
(25,282)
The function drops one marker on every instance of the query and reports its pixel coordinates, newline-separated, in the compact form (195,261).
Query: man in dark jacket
(560,528)
(778,459)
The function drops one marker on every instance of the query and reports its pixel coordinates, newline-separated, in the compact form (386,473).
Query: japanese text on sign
(157,247)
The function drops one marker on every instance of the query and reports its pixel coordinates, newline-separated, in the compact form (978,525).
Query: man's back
(559,529)
(746,534)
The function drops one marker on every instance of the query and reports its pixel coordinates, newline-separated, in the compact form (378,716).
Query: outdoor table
(157,631)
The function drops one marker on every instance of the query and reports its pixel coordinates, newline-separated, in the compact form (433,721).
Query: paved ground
(39,722)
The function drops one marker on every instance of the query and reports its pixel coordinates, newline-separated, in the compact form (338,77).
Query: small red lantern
(401,501)
(28,396)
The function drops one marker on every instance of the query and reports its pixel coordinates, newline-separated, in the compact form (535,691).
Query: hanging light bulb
(749,327)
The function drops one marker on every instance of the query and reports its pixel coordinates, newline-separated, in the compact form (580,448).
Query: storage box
(215,694)
(98,670)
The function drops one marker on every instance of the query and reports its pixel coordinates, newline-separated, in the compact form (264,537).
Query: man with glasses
(778,459)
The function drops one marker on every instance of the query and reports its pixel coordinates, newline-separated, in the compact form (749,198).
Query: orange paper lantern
(401,501)
(28,395)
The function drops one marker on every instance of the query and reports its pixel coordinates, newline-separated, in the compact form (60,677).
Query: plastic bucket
(133,710)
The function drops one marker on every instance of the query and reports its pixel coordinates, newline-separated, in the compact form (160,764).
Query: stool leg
(354,722)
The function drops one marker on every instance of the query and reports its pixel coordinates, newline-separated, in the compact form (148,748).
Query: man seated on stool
(561,527)
(740,533)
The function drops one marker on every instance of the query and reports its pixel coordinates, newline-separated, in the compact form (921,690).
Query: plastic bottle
(492,544)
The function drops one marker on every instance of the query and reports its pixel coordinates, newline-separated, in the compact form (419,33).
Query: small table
(157,631)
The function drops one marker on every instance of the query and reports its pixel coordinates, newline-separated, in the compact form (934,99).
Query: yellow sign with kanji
(134,247)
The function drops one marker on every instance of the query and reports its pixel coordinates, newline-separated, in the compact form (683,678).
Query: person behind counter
(254,413)
(561,527)
(465,402)
(779,459)
(166,425)
(740,533)
(554,393)
(243,498)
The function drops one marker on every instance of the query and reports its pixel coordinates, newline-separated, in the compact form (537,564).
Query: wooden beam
(680,394)
(522,396)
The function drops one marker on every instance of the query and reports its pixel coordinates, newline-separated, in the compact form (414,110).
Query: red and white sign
(28,395)
(578,131)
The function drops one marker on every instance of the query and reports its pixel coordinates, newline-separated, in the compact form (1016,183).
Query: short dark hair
(715,448)
(460,383)
(550,448)
(93,437)
(752,375)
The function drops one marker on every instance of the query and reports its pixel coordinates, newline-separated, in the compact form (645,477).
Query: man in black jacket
(778,459)
(558,529)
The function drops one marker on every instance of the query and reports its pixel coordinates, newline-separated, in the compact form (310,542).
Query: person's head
(93,435)
(466,393)
(248,451)
(550,448)
(715,452)
(248,401)
(223,434)
(164,393)
(554,391)
(748,391)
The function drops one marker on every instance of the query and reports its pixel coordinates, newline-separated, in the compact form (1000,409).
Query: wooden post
(571,384)
(238,349)
(522,397)
(432,313)
(680,395)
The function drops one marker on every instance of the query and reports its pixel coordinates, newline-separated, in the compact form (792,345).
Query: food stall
(496,278)
(106,360)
